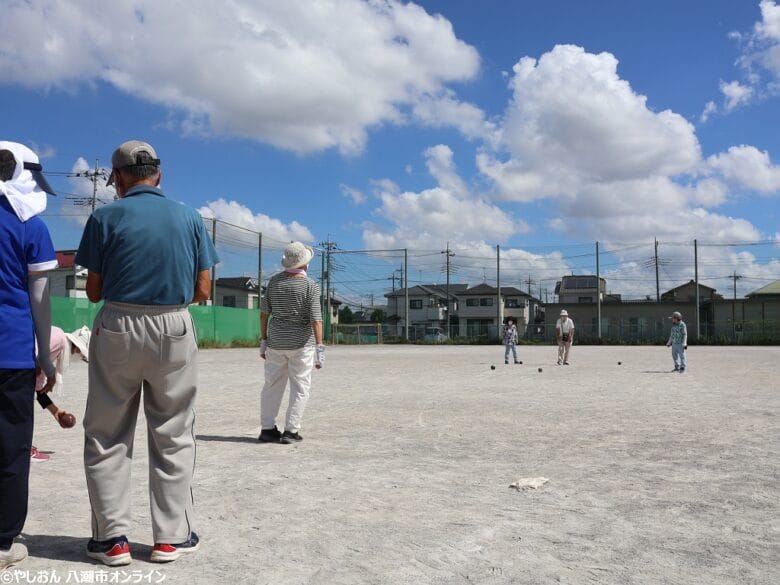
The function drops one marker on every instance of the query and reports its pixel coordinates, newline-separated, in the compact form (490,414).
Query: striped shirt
(294,304)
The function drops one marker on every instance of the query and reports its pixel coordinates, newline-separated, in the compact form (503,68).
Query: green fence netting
(218,324)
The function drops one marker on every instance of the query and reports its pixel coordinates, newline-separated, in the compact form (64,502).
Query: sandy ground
(404,473)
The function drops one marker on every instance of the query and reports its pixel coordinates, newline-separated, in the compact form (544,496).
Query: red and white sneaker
(164,552)
(36,456)
(112,552)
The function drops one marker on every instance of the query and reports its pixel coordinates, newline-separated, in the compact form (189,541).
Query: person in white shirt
(564,336)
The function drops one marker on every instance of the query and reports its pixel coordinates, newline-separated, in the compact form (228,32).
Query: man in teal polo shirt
(147,257)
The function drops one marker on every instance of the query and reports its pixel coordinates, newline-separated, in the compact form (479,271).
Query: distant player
(678,341)
(564,336)
(510,340)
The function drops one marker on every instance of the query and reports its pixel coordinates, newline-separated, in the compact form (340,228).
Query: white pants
(281,365)
(563,351)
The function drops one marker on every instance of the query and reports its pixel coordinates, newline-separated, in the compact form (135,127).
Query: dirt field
(404,473)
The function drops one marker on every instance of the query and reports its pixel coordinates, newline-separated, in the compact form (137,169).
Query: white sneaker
(13,556)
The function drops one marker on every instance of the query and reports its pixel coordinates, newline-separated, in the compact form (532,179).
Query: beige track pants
(154,349)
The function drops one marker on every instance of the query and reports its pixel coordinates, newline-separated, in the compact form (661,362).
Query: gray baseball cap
(127,156)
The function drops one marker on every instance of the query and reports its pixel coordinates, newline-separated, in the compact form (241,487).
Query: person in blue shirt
(26,255)
(147,257)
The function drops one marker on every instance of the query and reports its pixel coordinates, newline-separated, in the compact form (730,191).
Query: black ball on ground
(540,369)
(620,363)
(492,367)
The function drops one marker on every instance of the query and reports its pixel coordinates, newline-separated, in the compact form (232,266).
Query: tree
(346,316)
(377,316)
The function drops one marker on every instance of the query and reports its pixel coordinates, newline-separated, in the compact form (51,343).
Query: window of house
(478,327)
(488,302)
(472,302)
(415,304)
(511,303)
(229,301)
(585,300)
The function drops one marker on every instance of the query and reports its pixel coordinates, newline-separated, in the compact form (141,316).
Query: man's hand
(320,357)
(685,347)
(263,347)
(668,345)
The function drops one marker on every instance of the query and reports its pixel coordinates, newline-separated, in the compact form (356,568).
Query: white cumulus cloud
(735,94)
(240,215)
(576,133)
(759,60)
(572,120)
(302,76)
(448,211)
(355,195)
(747,166)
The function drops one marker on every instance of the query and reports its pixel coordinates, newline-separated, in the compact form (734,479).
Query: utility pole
(449,255)
(598,292)
(213,268)
(260,271)
(734,307)
(500,309)
(657,285)
(328,246)
(405,274)
(94,184)
(92,175)
(322,284)
(696,279)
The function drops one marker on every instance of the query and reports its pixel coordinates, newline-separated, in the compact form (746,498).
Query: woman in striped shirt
(290,343)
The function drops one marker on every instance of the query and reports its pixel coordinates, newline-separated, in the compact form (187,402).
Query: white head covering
(80,338)
(297,254)
(564,313)
(26,196)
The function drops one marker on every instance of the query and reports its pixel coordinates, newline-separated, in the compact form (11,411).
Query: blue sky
(538,126)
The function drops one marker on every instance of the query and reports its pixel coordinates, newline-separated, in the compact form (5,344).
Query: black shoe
(165,553)
(682,370)
(270,435)
(506,362)
(289,438)
(113,552)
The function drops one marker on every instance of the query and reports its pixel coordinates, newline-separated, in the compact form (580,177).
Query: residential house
(478,314)
(240,292)
(770,292)
(428,308)
(687,293)
(757,315)
(68,279)
(580,289)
